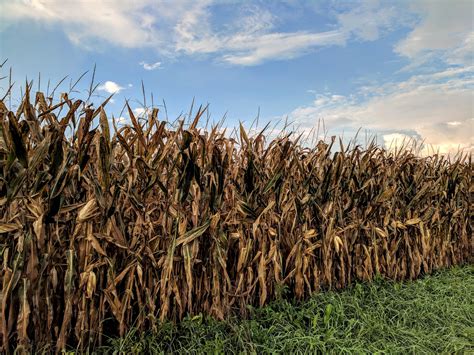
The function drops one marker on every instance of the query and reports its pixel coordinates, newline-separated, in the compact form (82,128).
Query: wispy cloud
(254,38)
(252,35)
(252,50)
(151,66)
(188,27)
(369,20)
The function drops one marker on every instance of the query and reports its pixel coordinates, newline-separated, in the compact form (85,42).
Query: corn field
(103,228)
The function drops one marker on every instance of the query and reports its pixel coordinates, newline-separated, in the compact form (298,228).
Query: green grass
(431,315)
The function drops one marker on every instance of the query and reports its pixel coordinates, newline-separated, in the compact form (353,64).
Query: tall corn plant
(108,228)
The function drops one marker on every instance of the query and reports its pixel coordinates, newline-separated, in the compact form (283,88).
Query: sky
(396,70)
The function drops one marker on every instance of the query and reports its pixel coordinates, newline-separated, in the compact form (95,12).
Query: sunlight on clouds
(439,112)
(396,141)
(399,141)
(454,123)
(86,22)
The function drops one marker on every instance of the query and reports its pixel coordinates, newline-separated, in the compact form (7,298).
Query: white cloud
(368,20)
(188,27)
(121,120)
(254,40)
(436,109)
(252,50)
(250,40)
(150,66)
(140,111)
(394,141)
(444,27)
(89,23)
(110,87)
(193,33)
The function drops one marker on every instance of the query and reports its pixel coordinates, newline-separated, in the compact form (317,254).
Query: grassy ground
(431,315)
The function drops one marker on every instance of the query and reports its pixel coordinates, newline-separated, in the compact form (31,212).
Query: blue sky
(397,69)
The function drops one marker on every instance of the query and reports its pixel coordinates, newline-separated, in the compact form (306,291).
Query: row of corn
(104,228)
